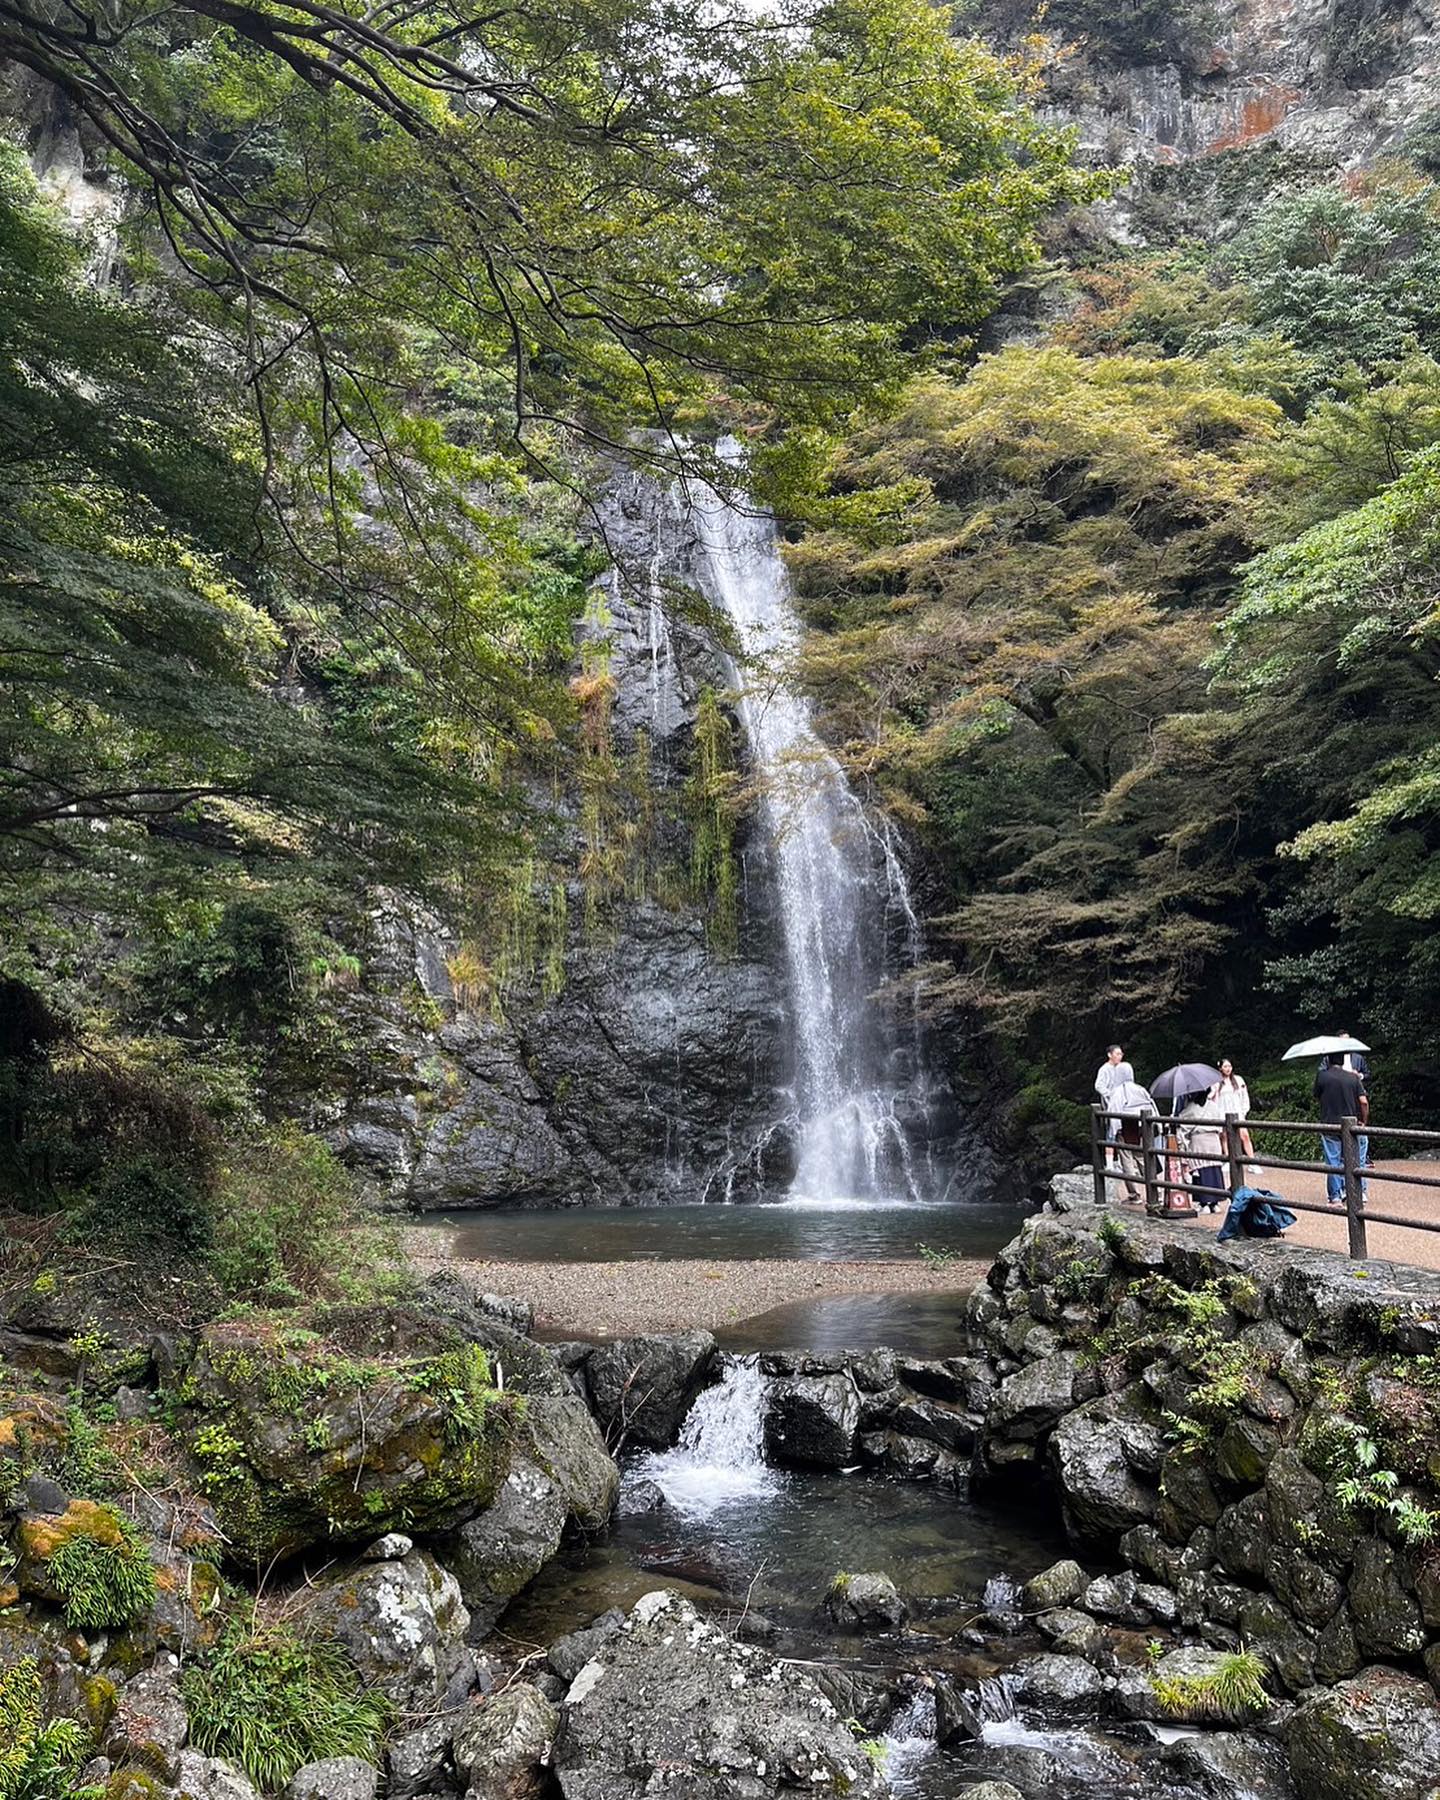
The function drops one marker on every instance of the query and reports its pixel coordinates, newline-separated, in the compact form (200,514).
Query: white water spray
(720,1456)
(910,1739)
(838,880)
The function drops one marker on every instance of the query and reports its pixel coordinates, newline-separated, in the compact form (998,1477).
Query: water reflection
(801,1232)
(931,1325)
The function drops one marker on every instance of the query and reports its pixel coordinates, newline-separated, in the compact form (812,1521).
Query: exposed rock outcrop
(723,1720)
(642,1387)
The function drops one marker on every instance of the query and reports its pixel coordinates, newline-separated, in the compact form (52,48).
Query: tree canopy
(1137,628)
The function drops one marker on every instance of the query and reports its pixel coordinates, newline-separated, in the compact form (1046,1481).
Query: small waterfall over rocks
(862,1095)
(720,1456)
(910,1739)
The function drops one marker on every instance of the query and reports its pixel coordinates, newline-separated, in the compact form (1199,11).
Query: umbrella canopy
(1184,1078)
(1130,1097)
(1323,1046)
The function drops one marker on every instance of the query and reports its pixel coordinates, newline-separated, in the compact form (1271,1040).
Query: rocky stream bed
(598,1572)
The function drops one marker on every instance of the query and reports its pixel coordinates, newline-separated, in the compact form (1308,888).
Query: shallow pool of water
(778,1550)
(912,1324)
(804,1231)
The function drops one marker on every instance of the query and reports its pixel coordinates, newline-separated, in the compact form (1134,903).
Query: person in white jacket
(1111,1073)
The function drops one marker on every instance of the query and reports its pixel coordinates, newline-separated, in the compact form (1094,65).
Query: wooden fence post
(1149,1160)
(1233,1153)
(1354,1189)
(1097,1152)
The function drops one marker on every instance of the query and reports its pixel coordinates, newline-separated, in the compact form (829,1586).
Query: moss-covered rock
(295,1442)
(88,1559)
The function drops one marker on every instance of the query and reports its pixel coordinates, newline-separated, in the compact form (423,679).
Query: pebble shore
(619,1298)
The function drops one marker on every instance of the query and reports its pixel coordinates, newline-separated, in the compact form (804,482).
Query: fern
(39,1758)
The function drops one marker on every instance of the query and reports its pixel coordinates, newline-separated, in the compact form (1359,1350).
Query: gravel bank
(615,1299)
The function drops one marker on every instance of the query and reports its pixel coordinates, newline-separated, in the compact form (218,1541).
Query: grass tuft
(272,1701)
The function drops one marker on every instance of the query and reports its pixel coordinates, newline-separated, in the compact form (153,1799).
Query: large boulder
(1060,1585)
(1100,1492)
(210,1778)
(150,1725)
(335,1778)
(1374,1737)
(501,1744)
(642,1387)
(1034,1400)
(403,1624)
(562,1437)
(561,1473)
(1057,1680)
(1229,1765)
(1386,1613)
(811,1420)
(497,1552)
(723,1721)
(418,1762)
(296,1441)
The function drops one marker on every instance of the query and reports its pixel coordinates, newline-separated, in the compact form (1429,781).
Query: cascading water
(720,1456)
(910,1741)
(841,889)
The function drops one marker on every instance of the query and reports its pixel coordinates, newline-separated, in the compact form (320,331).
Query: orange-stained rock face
(1260,112)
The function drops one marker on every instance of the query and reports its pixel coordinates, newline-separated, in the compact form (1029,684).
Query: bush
(289,1223)
(273,1701)
(100,1132)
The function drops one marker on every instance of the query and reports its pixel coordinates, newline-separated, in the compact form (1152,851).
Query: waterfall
(666,704)
(720,1456)
(842,891)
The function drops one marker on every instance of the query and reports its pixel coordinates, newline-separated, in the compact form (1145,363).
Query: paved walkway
(1389,1243)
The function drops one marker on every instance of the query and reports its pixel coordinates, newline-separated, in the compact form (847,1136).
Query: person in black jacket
(1341,1093)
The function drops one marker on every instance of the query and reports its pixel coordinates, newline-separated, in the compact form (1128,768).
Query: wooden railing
(1168,1197)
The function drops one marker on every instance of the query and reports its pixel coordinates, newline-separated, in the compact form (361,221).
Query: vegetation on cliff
(1136,626)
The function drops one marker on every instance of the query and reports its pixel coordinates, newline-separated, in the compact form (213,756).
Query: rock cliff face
(652,1066)
(1314,85)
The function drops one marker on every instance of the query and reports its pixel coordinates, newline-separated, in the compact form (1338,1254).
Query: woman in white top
(1203,1142)
(1231,1095)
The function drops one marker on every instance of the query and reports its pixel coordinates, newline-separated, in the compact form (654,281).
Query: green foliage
(1233,1692)
(462,1380)
(273,1701)
(150,753)
(1021,636)
(39,1758)
(1362,40)
(712,804)
(938,1260)
(87,1466)
(1076,1281)
(1347,277)
(105,1576)
(288,1223)
(1135,628)
(1137,31)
